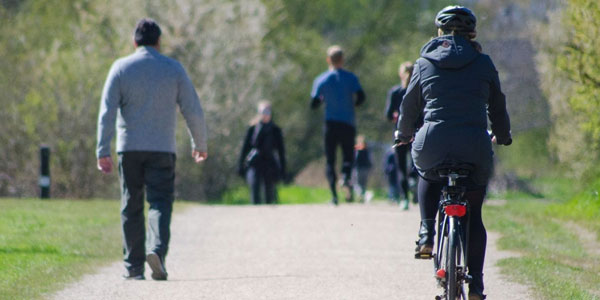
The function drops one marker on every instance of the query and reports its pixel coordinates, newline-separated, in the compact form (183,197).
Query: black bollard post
(44,172)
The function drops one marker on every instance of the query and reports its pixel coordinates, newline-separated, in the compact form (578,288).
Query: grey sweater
(142,93)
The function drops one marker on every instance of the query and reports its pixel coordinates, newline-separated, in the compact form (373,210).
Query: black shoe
(476,287)
(334,201)
(425,242)
(475,296)
(134,275)
(156,264)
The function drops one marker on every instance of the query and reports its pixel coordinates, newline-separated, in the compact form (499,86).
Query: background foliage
(236,52)
(240,52)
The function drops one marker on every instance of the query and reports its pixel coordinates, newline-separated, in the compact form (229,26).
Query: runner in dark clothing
(456,88)
(262,160)
(392,111)
(341,91)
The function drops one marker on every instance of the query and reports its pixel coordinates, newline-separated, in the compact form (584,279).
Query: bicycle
(450,257)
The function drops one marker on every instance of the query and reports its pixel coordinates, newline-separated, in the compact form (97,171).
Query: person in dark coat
(392,111)
(456,88)
(262,160)
(362,166)
(390,169)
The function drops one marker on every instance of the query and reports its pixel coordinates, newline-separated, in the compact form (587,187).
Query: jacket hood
(449,52)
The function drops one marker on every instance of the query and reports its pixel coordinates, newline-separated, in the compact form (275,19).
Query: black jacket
(392,103)
(456,88)
(271,152)
(362,159)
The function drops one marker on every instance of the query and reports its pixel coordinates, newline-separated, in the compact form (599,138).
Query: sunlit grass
(44,244)
(552,259)
(287,194)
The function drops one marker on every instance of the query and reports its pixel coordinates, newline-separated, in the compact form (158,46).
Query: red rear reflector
(455,210)
(441,273)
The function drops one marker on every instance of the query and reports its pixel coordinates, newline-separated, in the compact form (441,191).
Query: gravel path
(290,252)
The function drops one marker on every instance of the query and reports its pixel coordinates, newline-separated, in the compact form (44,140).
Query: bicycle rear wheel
(454,259)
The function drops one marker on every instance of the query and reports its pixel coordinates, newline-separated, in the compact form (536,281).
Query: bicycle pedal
(423,256)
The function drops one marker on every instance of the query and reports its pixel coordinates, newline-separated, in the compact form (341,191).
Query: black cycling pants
(429,197)
(342,134)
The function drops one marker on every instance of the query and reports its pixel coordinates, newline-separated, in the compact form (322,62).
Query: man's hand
(199,156)
(105,164)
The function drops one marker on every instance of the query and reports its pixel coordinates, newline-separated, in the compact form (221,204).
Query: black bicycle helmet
(458,18)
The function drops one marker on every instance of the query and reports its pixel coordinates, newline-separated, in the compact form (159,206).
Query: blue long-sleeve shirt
(337,88)
(141,94)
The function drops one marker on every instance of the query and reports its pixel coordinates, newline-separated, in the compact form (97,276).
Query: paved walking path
(290,252)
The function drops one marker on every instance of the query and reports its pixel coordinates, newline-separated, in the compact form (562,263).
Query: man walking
(341,91)
(142,93)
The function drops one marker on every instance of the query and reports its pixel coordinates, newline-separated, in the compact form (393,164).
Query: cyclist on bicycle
(454,86)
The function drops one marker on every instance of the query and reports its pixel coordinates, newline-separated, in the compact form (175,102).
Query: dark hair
(147,32)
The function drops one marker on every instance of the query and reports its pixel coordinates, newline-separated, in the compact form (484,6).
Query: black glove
(401,139)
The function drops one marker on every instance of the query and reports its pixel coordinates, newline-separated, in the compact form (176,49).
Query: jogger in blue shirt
(340,90)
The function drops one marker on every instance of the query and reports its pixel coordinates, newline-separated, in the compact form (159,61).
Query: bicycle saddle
(462,169)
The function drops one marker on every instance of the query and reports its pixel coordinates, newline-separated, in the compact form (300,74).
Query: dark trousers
(362,178)
(154,174)
(337,133)
(429,198)
(401,159)
(259,182)
(393,188)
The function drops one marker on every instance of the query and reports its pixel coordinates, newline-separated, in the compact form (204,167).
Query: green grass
(555,188)
(287,194)
(553,260)
(45,244)
(584,208)
(528,156)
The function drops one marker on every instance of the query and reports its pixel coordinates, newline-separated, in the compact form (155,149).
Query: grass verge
(584,208)
(553,260)
(45,244)
(287,194)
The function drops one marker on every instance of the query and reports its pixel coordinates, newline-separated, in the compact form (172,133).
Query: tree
(581,62)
